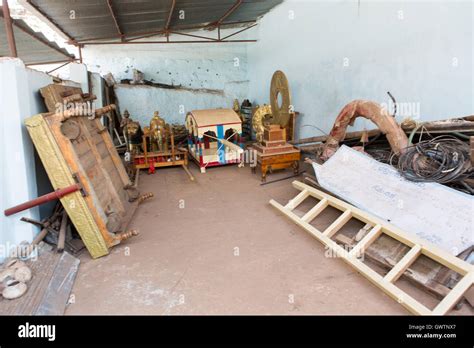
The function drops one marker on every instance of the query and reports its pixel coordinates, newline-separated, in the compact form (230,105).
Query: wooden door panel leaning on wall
(76,148)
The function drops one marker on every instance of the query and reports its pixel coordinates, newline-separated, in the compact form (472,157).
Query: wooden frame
(385,283)
(175,157)
(80,150)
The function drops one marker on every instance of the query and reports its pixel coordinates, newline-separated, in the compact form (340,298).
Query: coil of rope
(443,159)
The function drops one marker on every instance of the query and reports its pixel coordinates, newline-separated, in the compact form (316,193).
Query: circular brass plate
(280,87)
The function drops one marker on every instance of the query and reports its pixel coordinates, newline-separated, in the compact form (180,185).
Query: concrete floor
(227,251)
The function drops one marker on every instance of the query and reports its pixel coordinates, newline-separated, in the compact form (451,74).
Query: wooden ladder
(386,283)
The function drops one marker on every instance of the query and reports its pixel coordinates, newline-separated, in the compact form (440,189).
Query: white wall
(220,67)
(78,73)
(422,54)
(19,99)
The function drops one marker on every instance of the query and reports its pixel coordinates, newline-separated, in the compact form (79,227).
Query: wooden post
(9,29)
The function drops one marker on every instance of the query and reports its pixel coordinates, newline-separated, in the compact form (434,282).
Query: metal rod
(52,62)
(281,179)
(9,29)
(59,67)
(80,53)
(58,194)
(229,12)
(157,32)
(170,16)
(165,42)
(196,36)
(44,42)
(238,32)
(146,36)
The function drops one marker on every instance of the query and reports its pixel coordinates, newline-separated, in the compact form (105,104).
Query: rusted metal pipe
(372,111)
(58,194)
(9,29)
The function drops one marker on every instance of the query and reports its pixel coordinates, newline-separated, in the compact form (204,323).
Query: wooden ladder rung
(315,211)
(367,240)
(293,203)
(337,225)
(402,265)
(450,300)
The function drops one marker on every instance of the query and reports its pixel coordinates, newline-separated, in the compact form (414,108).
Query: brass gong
(280,89)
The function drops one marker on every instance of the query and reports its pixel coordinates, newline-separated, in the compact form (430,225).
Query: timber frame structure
(385,283)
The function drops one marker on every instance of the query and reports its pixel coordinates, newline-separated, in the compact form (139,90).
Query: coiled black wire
(444,159)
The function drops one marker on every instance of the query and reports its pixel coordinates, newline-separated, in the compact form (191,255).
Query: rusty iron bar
(196,36)
(170,16)
(9,29)
(114,17)
(227,14)
(52,62)
(240,31)
(155,32)
(59,67)
(58,194)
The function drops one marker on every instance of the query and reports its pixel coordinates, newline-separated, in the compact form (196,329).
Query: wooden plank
(386,284)
(315,211)
(59,288)
(337,225)
(41,270)
(403,264)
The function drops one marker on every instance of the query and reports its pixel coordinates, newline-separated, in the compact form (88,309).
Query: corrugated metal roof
(92,19)
(32,47)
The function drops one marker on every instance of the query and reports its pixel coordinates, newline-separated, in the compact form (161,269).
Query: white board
(436,213)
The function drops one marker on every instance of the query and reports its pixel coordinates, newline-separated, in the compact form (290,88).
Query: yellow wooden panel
(60,177)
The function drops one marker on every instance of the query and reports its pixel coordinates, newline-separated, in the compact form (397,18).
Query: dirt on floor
(216,246)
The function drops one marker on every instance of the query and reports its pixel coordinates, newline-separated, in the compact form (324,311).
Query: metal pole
(58,194)
(80,53)
(9,29)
